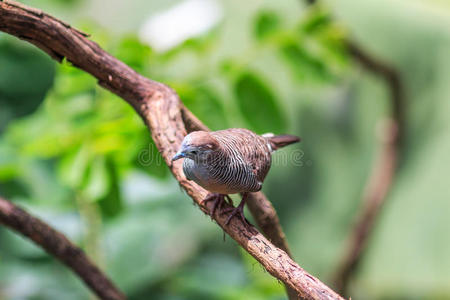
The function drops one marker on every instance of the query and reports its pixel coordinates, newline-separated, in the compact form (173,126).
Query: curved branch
(266,217)
(393,80)
(162,111)
(56,244)
(385,164)
(374,196)
(383,171)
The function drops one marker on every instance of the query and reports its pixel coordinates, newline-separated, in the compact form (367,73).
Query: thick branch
(56,244)
(266,217)
(162,111)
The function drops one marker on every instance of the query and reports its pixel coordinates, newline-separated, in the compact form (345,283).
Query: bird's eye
(194,152)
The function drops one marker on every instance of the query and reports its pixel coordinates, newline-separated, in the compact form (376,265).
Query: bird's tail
(280,141)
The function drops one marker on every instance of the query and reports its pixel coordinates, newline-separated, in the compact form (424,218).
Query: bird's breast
(221,177)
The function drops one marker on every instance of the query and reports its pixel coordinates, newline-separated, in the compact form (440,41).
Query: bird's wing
(251,148)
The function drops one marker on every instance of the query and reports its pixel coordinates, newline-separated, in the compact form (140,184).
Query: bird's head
(197,145)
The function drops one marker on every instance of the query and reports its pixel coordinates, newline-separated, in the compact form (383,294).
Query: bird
(229,161)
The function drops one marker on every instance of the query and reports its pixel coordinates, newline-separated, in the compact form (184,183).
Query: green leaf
(97,184)
(266,24)
(73,167)
(205,104)
(26,74)
(111,205)
(200,45)
(316,19)
(8,163)
(258,104)
(150,160)
(72,82)
(304,65)
(132,52)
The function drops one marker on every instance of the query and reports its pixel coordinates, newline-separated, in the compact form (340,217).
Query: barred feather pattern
(239,165)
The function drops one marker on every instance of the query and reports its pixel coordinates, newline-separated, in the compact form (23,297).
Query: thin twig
(162,111)
(56,244)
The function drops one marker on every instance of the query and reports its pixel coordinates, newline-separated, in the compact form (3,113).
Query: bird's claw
(235,211)
(218,199)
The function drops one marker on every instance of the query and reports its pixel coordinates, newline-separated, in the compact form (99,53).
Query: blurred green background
(82,160)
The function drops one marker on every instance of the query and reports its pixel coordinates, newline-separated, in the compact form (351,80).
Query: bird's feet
(237,211)
(218,199)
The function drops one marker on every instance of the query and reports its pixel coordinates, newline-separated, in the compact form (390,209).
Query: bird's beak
(180,154)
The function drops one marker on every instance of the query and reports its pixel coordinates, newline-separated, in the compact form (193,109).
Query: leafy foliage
(267,23)
(257,104)
(203,101)
(25,76)
(81,159)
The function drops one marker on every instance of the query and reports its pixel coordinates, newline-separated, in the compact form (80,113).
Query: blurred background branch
(270,66)
(161,110)
(375,193)
(384,167)
(56,244)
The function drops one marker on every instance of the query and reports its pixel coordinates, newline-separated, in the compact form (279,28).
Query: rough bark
(164,114)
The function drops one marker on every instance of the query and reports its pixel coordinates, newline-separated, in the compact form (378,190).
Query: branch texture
(164,114)
(56,244)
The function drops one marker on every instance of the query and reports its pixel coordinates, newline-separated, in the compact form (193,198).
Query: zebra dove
(229,161)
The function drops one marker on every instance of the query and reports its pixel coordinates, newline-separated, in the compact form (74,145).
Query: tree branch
(383,171)
(393,80)
(374,196)
(162,111)
(56,244)
(266,217)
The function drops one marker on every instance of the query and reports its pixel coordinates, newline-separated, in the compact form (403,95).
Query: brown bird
(229,161)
